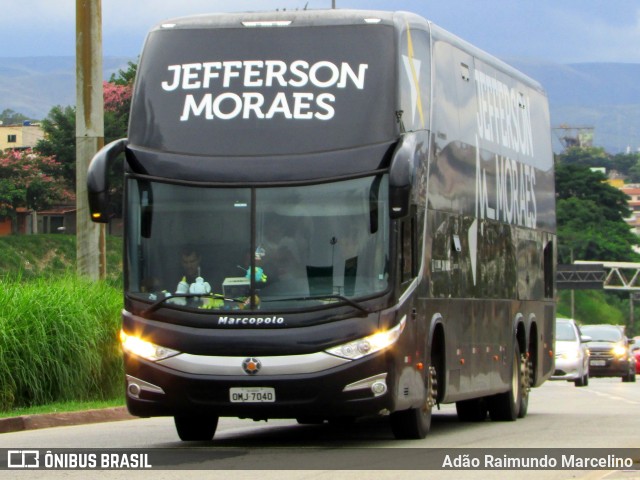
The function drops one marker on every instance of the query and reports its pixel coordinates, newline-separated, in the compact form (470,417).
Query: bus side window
(408,250)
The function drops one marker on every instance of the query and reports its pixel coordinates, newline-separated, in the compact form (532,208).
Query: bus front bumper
(317,385)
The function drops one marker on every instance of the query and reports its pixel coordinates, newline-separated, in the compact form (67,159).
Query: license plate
(598,363)
(252,395)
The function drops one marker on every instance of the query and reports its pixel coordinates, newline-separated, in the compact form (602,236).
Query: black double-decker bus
(330,215)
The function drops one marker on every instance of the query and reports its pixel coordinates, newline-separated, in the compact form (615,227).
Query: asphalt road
(606,414)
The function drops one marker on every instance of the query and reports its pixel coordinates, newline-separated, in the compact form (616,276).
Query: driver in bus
(190,260)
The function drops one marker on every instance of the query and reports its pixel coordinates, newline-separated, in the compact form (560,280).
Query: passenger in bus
(179,279)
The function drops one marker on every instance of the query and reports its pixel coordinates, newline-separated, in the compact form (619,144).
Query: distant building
(19,137)
(633,191)
(23,223)
(58,219)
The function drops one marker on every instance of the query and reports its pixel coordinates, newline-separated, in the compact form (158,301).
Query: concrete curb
(46,420)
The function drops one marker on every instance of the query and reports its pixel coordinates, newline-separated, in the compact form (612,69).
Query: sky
(557,31)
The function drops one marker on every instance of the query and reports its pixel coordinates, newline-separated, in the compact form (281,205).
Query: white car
(572,354)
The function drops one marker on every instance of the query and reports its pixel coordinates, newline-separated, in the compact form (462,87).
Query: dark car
(635,351)
(610,355)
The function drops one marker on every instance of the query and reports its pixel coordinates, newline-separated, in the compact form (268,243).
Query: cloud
(565,31)
(602,35)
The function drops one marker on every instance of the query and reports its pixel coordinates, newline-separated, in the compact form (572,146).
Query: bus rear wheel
(506,406)
(526,372)
(196,429)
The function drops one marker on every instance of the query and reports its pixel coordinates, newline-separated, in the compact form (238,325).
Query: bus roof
(311,18)
(301,18)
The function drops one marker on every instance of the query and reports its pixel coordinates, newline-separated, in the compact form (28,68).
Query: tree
(590,217)
(117,103)
(60,141)
(30,181)
(125,77)
(627,164)
(578,181)
(586,157)
(10,117)
(585,234)
(633,160)
(60,125)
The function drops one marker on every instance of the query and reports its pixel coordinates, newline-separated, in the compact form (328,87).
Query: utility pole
(90,247)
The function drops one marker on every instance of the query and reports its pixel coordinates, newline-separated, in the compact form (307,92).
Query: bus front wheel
(414,423)
(196,429)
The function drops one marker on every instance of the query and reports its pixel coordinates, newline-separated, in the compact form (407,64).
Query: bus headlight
(144,349)
(369,345)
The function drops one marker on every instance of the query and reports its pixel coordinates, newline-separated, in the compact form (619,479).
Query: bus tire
(196,429)
(526,371)
(411,424)
(415,423)
(506,406)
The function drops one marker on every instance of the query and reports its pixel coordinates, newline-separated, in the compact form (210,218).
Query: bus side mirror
(401,176)
(98,179)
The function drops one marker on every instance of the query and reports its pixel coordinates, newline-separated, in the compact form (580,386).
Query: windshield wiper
(157,304)
(347,300)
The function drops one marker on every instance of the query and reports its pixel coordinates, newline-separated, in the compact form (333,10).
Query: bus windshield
(312,244)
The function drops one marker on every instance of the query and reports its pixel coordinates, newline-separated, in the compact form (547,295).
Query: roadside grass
(33,256)
(63,407)
(58,340)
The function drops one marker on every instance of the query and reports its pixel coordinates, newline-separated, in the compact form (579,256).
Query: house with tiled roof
(633,191)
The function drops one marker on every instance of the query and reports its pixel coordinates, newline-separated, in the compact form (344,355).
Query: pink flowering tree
(116,97)
(117,102)
(31,181)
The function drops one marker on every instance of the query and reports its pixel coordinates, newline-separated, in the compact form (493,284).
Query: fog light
(135,387)
(134,390)
(379,388)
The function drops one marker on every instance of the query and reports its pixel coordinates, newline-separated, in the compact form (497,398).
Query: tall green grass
(58,340)
(33,256)
(593,306)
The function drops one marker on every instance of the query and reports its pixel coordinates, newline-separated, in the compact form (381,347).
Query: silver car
(572,354)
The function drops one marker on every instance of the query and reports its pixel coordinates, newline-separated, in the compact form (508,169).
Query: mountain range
(602,96)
